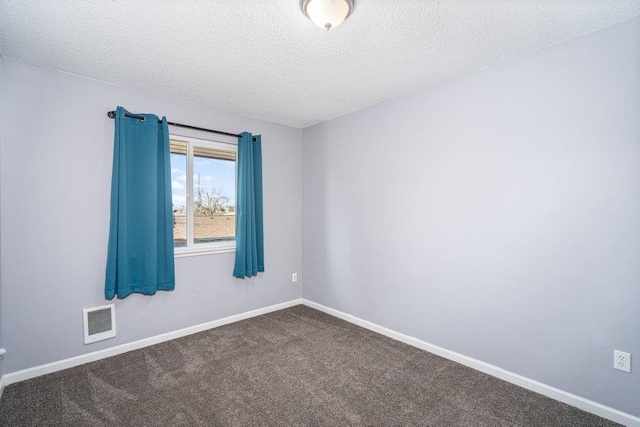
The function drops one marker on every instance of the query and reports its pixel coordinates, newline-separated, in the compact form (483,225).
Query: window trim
(193,249)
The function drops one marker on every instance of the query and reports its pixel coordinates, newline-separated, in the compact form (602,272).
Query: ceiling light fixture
(327,14)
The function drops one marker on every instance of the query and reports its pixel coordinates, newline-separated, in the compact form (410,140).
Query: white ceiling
(265,59)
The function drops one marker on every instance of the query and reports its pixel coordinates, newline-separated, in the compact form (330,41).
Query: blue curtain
(249,229)
(140,254)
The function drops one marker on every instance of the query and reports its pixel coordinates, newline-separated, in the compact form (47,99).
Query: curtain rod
(112,115)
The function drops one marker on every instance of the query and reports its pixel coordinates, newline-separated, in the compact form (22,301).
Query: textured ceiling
(265,59)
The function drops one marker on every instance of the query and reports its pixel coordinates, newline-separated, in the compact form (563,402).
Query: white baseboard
(536,386)
(48,368)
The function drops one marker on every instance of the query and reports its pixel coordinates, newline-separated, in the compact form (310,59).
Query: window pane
(214,195)
(179,192)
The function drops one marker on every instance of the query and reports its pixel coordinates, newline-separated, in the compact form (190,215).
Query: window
(203,185)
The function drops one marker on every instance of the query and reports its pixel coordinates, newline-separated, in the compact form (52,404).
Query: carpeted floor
(294,367)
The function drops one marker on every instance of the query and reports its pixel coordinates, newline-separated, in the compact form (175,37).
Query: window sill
(184,252)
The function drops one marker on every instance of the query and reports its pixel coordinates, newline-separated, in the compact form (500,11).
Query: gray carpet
(294,367)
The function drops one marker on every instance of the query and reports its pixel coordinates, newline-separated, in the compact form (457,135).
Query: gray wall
(2,95)
(496,215)
(56,169)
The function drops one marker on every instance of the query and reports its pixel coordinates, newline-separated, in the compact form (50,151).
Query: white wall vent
(99,323)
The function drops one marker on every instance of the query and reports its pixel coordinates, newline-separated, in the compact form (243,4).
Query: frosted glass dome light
(327,14)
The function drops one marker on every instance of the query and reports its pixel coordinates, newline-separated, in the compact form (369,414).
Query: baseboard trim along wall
(48,368)
(538,387)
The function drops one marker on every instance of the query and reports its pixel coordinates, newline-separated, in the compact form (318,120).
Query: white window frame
(202,248)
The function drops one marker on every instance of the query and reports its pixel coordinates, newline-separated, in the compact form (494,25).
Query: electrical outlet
(622,360)
(294,277)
